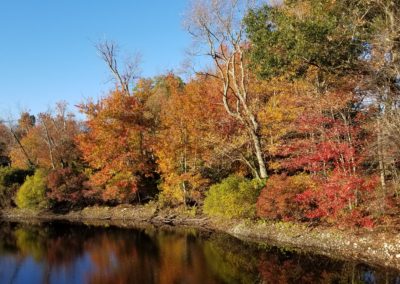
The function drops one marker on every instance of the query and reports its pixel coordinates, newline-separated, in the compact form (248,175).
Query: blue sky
(47,49)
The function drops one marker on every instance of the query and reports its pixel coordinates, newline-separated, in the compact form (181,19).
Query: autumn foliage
(48,141)
(278,200)
(114,145)
(191,130)
(32,193)
(323,157)
(68,186)
(234,197)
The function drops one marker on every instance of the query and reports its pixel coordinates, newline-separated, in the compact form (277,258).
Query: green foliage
(234,197)
(299,35)
(10,180)
(32,194)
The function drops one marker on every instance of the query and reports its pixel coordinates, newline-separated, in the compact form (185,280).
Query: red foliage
(328,145)
(337,198)
(325,145)
(66,185)
(277,199)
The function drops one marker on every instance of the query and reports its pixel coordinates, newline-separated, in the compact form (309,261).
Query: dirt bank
(372,247)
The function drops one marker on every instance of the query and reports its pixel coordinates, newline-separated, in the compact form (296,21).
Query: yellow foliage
(280,111)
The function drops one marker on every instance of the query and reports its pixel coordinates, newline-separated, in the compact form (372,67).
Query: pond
(71,253)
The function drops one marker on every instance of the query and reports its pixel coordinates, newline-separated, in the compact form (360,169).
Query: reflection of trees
(135,257)
(55,247)
(7,240)
(8,247)
(31,242)
(113,255)
(231,260)
(58,245)
(276,267)
(182,259)
(122,257)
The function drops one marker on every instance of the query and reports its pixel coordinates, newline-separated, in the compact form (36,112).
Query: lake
(71,253)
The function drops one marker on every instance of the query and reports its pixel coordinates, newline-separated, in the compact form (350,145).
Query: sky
(47,51)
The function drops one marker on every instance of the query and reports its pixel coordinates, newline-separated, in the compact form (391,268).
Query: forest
(297,119)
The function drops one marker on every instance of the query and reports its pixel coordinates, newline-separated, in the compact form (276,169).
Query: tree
(32,194)
(19,131)
(178,147)
(329,145)
(195,145)
(234,197)
(381,84)
(303,37)
(50,142)
(67,186)
(218,25)
(30,151)
(59,132)
(124,77)
(114,146)
(11,180)
(6,142)
(120,119)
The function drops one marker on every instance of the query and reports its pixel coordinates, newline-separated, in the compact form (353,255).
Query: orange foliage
(48,143)
(180,147)
(114,145)
(278,198)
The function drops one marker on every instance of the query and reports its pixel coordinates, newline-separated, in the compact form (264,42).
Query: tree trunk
(49,144)
(381,161)
(258,152)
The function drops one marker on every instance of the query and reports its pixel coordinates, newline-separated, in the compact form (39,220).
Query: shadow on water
(66,253)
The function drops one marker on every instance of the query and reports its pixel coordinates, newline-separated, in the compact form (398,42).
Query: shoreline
(380,249)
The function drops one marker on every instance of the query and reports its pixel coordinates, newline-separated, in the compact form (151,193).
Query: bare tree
(383,83)
(125,76)
(218,25)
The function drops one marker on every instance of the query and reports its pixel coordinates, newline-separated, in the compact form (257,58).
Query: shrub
(234,197)
(10,180)
(277,199)
(340,199)
(32,194)
(67,186)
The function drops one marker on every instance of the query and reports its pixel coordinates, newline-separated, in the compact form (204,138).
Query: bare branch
(218,24)
(125,77)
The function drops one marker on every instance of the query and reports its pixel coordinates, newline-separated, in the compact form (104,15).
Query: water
(66,253)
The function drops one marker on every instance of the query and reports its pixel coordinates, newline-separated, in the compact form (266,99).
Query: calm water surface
(65,253)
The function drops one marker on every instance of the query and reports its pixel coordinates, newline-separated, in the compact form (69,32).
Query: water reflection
(65,253)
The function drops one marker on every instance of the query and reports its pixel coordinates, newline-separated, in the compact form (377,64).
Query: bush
(67,186)
(32,194)
(10,180)
(234,197)
(340,199)
(277,200)
(336,199)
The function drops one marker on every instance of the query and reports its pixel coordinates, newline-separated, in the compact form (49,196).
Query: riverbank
(380,248)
